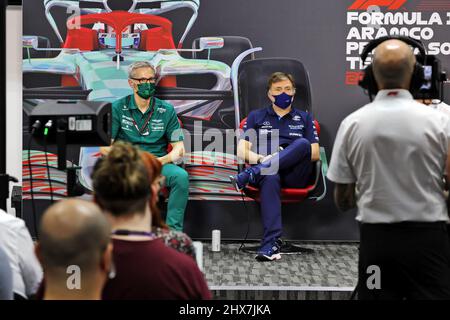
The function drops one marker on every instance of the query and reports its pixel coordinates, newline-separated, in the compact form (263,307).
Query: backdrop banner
(82,49)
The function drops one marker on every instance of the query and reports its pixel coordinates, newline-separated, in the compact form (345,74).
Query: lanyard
(141,130)
(123,232)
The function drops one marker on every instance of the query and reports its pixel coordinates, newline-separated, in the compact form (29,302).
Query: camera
(433,79)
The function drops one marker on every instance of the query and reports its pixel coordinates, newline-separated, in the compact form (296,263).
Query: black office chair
(232,47)
(251,81)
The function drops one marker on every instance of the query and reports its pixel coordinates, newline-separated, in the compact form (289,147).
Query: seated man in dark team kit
(152,124)
(282,143)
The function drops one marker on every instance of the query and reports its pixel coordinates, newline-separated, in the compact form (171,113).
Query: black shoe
(241,180)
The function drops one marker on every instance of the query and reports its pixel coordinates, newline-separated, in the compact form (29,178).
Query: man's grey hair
(138,65)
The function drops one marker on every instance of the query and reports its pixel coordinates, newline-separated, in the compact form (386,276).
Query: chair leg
(290,248)
(249,249)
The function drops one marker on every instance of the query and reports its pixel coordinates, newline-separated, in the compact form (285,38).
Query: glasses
(145,80)
(288,90)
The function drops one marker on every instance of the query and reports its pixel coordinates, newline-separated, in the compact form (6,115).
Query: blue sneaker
(241,180)
(270,252)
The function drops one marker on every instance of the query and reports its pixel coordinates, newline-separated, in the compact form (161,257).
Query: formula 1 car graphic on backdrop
(97,58)
(92,62)
(148,7)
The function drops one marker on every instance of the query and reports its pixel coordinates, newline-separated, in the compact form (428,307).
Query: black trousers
(409,260)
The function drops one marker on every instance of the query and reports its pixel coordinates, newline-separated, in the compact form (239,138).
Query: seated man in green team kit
(152,125)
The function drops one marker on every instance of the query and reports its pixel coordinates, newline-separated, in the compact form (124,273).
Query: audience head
(74,239)
(393,65)
(121,184)
(426,102)
(156,180)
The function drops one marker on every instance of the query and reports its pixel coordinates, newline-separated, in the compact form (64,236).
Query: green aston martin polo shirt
(151,131)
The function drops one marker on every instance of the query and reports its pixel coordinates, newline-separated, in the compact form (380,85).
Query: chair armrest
(318,165)
(321,171)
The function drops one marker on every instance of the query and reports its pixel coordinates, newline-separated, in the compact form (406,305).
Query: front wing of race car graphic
(203,108)
(62,64)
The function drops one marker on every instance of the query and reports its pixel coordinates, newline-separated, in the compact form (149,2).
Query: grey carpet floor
(331,265)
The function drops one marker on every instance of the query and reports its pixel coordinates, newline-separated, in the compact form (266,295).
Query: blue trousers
(294,171)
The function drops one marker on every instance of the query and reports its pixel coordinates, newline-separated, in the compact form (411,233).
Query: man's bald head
(73,232)
(393,65)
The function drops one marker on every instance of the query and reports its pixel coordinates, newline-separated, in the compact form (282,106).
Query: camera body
(86,123)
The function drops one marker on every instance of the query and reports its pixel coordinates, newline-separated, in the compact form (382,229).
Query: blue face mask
(283,100)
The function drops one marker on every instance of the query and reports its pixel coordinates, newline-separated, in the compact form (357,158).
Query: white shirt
(16,241)
(441,106)
(395,150)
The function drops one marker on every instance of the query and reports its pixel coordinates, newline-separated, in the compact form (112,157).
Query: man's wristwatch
(259,160)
